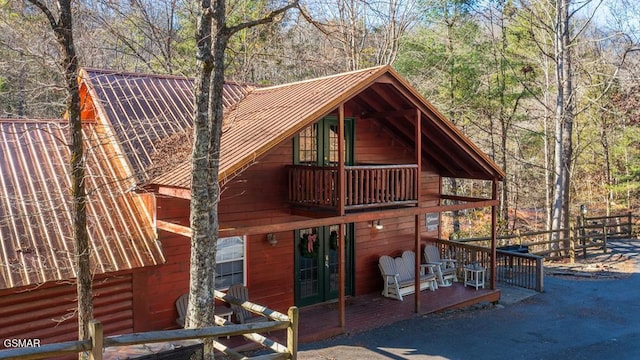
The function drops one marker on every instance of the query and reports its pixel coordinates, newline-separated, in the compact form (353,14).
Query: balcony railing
(370,186)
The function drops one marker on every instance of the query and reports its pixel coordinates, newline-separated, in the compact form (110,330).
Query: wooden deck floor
(371,311)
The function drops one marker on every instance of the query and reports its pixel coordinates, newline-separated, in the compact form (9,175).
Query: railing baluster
(365,186)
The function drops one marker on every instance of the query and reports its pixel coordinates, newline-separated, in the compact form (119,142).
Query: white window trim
(244,259)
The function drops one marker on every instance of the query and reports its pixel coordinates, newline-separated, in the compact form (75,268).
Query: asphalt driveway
(575,318)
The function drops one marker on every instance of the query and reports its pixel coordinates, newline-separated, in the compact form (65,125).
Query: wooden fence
(588,234)
(94,347)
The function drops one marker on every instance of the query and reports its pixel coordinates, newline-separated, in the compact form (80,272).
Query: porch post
(341,272)
(341,209)
(494,233)
(418,144)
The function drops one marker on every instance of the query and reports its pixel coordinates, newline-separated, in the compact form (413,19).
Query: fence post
(97,340)
(629,225)
(572,246)
(292,333)
(604,238)
(540,272)
(583,235)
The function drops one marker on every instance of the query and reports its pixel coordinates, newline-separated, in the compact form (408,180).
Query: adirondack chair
(181,306)
(398,275)
(446,269)
(242,315)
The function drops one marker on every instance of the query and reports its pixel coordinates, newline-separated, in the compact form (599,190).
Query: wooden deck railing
(370,186)
(515,269)
(96,345)
(520,270)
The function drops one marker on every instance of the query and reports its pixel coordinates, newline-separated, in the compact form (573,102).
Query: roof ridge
(31,120)
(131,73)
(159,76)
(266,88)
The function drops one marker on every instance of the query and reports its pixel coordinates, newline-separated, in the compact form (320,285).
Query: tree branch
(265,20)
(45,10)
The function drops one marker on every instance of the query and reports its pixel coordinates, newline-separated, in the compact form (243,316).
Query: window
(230,254)
(308,146)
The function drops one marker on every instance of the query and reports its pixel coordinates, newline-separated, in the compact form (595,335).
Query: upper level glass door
(318,143)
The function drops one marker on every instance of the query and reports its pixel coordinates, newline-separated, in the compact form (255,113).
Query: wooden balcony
(370,186)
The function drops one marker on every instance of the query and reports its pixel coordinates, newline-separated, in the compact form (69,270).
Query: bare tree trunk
(63,30)
(564,119)
(548,190)
(212,37)
(202,275)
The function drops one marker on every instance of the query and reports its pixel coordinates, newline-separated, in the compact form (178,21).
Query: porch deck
(371,311)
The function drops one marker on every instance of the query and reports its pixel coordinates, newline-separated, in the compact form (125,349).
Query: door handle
(326,261)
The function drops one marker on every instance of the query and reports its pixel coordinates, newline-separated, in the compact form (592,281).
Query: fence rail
(589,233)
(96,345)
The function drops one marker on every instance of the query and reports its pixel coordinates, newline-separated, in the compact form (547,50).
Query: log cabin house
(319,179)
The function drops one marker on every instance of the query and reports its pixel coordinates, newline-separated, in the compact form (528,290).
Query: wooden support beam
(418,150)
(494,233)
(341,161)
(389,114)
(342,280)
(97,340)
(173,228)
(462,198)
(227,230)
(341,210)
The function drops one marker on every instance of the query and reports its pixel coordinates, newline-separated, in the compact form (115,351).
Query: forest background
(490,66)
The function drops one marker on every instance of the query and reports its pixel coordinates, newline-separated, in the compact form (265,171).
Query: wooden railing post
(97,340)
(582,234)
(629,225)
(540,277)
(572,246)
(292,333)
(604,238)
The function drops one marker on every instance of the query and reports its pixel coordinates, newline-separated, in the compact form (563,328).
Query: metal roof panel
(36,242)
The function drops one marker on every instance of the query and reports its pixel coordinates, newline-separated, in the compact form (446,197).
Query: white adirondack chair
(446,269)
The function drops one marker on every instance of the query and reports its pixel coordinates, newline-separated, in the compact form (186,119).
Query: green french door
(316,252)
(317,264)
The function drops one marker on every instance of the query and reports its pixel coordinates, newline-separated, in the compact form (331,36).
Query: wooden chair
(181,306)
(242,315)
(446,269)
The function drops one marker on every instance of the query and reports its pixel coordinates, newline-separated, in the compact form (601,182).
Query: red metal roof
(36,243)
(142,109)
(268,115)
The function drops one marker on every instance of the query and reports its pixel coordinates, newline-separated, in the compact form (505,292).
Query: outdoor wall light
(378,225)
(583,209)
(271,239)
